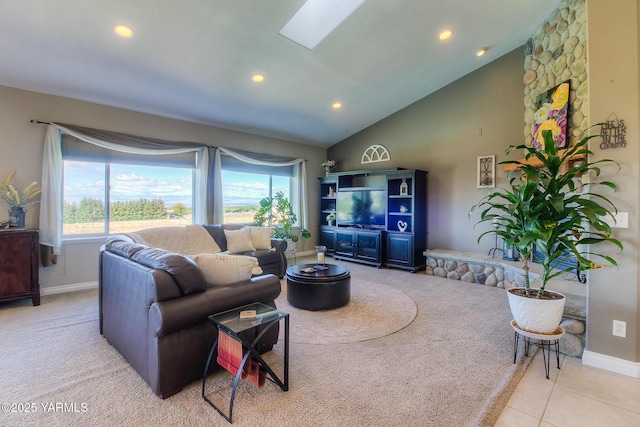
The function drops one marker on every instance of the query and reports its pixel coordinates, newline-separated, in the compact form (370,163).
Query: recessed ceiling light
(257,78)
(481,51)
(123,31)
(336,105)
(445,34)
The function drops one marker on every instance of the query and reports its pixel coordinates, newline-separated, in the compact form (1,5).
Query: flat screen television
(362,208)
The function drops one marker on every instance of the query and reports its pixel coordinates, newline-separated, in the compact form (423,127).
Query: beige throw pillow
(239,240)
(223,269)
(261,237)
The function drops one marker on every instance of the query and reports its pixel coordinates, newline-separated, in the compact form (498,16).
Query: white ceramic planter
(536,315)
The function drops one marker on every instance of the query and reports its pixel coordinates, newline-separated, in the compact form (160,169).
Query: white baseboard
(68,288)
(610,363)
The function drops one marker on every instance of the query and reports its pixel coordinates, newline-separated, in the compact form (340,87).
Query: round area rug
(375,310)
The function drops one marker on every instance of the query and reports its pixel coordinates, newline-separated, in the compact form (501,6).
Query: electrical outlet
(621,220)
(619,328)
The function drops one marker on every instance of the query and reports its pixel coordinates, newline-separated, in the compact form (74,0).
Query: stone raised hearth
(478,268)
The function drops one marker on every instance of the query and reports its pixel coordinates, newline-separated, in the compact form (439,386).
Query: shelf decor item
(404,188)
(330,218)
(320,253)
(328,166)
(17,199)
(542,209)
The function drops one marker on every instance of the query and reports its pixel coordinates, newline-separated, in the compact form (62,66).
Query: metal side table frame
(230,322)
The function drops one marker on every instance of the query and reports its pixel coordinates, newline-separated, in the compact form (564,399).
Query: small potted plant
(17,199)
(330,218)
(277,212)
(543,208)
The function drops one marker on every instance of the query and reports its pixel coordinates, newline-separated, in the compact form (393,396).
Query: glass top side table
(231,323)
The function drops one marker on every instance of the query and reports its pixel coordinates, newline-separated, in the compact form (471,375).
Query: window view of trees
(92,210)
(243,191)
(130,208)
(150,196)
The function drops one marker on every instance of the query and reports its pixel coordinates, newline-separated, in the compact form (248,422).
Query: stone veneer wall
(557,52)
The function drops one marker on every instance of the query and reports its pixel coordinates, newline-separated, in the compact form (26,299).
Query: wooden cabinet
(393,229)
(327,238)
(19,265)
(400,248)
(363,246)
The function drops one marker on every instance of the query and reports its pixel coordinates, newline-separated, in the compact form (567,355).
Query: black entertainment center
(380,217)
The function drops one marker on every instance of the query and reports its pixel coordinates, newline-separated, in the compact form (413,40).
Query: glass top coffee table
(313,287)
(232,323)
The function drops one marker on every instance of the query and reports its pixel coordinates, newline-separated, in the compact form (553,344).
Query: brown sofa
(271,261)
(154,308)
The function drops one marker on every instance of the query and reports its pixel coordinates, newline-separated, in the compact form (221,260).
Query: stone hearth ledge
(478,268)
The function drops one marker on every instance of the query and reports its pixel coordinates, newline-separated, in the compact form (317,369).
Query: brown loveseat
(154,308)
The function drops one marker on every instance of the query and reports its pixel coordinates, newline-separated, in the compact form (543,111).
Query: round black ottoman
(318,289)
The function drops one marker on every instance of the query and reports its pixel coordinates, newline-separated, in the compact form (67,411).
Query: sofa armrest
(174,315)
(280,245)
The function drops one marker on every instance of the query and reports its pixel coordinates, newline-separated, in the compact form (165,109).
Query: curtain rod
(38,122)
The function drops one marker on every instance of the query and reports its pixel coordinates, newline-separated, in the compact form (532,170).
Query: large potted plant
(277,212)
(549,208)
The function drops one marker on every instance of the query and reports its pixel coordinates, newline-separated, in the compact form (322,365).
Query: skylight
(316,19)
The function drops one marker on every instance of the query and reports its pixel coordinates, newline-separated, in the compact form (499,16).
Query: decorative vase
(534,314)
(327,170)
(330,222)
(16,217)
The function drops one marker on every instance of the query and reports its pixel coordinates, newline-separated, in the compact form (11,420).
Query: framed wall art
(552,109)
(486,171)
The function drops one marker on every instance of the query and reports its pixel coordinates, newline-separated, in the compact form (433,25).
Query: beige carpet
(374,310)
(451,366)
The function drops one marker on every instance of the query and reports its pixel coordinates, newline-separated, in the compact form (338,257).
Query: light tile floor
(574,395)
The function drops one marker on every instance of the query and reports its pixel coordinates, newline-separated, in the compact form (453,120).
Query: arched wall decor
(375,153)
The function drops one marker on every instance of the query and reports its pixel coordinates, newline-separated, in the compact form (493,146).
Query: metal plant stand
(545,341)
(493,250)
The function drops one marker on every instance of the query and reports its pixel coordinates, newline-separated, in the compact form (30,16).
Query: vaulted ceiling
(194,59)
